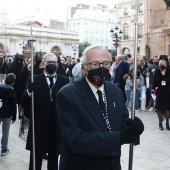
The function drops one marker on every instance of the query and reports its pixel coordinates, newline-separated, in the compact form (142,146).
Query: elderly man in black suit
(121,70)
(93,118)
(47,134)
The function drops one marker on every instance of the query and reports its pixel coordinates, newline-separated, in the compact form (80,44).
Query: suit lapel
(57,86)
(45,87)
(91,105)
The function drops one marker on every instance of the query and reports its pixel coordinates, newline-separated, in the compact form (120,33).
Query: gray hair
(83,59)
(120,57)
(48,54)
(125,57)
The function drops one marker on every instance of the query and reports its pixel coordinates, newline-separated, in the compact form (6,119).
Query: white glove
(153,96)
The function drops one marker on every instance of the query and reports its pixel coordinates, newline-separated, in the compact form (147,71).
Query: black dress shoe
(45,156)
(167,126)
(160,127)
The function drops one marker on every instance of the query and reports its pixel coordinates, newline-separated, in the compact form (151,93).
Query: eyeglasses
(96,64)
(51,62)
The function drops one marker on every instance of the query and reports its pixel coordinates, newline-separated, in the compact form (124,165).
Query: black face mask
(98,76)
(51,68)
(162,67)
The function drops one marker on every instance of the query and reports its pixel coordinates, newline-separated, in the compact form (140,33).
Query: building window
(97,31)
(125,11)
(140,8)
(101,40)
(125,33)
(140,32)
(96,39)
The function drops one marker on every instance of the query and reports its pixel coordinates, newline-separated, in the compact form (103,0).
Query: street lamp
(23,46)
(74,48)
(116,37)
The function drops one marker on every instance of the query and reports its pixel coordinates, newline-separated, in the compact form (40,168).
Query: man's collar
(93,88)
(49,76)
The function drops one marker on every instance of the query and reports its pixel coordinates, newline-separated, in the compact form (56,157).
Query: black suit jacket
(42,104)
(86,142)
(121,70)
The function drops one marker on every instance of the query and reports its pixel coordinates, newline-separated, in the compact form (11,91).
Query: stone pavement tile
(166,163)
(153,153)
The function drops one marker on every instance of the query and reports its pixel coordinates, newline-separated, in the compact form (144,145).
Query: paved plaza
(152,154)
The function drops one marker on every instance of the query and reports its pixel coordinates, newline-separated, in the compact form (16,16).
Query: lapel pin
(114,104)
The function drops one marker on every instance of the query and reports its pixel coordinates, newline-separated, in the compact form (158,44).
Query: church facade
(14,38)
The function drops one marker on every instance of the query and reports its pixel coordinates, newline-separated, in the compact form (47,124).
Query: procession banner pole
(32,101)
(135,6)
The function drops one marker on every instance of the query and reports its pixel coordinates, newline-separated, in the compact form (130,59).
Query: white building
(47,40)
(92,23)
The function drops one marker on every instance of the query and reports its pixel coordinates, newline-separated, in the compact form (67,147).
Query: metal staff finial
(136,7)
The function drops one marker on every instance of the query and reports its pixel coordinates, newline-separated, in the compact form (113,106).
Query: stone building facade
(153,28)
(13,39)
(157,27)
(125,22)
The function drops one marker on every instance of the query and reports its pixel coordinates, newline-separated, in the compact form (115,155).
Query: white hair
(48,54)
(83,59)
(120,57)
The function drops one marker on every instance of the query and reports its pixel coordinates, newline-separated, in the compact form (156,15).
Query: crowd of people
(78,121)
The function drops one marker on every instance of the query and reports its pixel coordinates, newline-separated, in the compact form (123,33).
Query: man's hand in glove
(31,86)
(132,131)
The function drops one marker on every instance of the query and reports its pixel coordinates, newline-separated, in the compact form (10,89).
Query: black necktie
(101,103)
(51,82)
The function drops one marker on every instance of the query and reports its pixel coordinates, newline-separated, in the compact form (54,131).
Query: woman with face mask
(162,82)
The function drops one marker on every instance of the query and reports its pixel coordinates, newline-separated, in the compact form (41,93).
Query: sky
(17,9)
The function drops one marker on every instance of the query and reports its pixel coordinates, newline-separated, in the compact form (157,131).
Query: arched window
(126,51)
(55,49)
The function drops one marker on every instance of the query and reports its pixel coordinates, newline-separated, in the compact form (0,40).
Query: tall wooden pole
(136,7)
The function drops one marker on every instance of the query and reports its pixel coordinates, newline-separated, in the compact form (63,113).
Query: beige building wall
(127,21)
(158,27)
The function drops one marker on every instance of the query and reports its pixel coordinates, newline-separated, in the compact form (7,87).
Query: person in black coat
(47,134)
(93,118)
(121,70)
(21,72)
(3,69)
(161,80)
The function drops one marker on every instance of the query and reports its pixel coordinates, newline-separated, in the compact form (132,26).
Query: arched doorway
(125,51)
(56,50)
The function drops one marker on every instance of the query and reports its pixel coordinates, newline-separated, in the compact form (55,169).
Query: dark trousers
(52,162)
